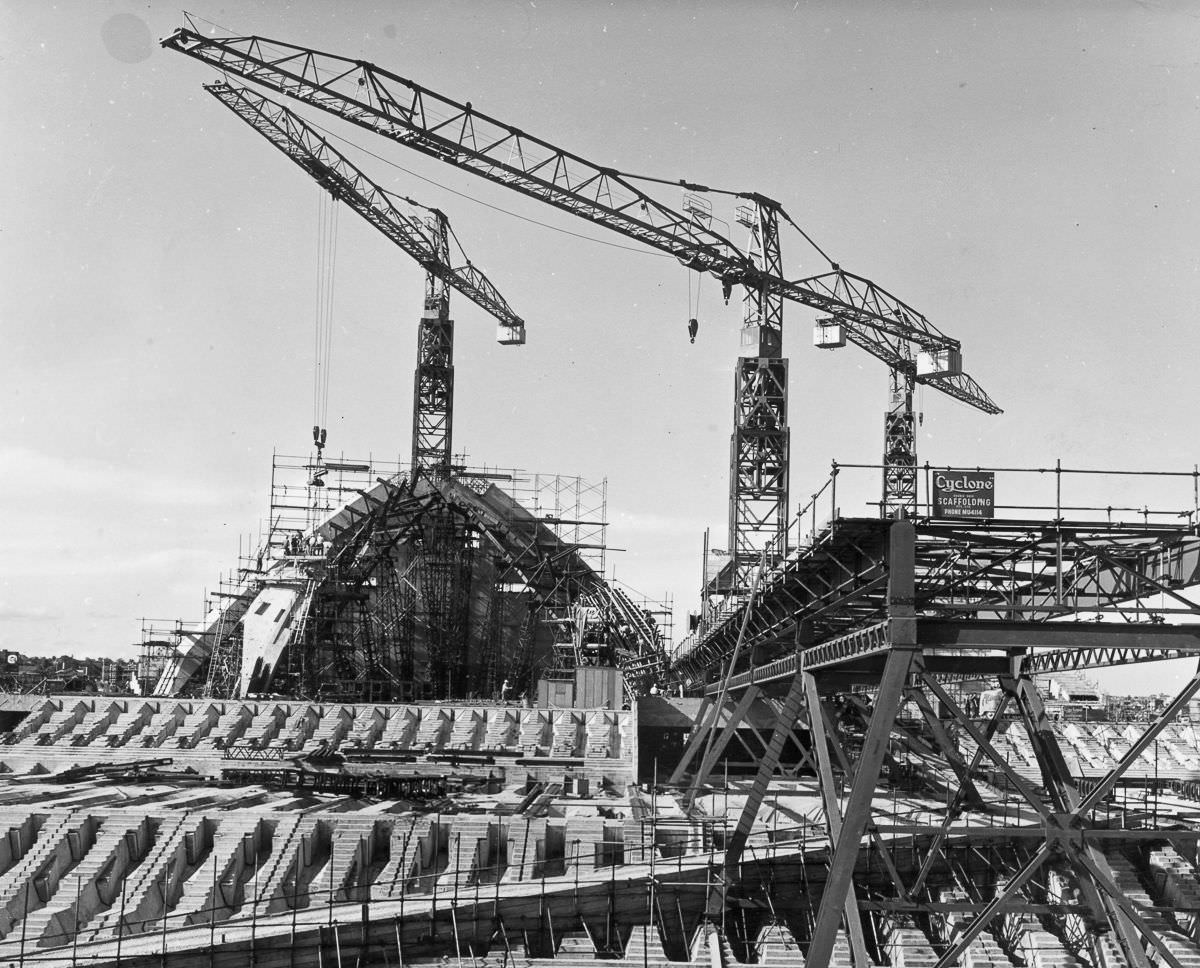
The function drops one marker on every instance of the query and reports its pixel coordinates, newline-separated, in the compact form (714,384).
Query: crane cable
(327,240)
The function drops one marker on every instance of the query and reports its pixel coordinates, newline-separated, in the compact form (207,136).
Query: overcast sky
(1025,175)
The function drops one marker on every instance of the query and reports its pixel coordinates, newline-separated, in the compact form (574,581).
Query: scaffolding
(445,612)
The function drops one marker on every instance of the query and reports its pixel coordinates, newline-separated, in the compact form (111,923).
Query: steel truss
(900,450)
(1019,571)
(758,467)
(433,384)
(863,704)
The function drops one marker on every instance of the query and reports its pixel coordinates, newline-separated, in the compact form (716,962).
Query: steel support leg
(706,719)
(858,805)
(994,907)
(788,713)
(1065,794)
(949,749)
(736,717)
(904,648)
(833,812)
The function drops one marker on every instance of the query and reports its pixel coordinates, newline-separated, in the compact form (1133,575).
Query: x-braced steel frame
(1056,823)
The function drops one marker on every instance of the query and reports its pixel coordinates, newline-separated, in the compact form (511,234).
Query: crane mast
(425,236)
(761,440)
(899,449)
(433,382)
(854,309)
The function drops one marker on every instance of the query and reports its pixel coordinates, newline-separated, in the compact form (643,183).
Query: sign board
(964,494)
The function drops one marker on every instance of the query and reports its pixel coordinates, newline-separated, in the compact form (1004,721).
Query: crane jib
(333,172)
(558,177)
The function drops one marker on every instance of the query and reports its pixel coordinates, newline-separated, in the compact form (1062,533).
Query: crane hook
(693,329)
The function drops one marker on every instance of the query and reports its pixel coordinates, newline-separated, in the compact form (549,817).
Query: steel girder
(1032,578)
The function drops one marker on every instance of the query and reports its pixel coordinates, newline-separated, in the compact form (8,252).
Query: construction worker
(504,690)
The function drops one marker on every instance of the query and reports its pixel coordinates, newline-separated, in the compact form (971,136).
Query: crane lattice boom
(409,226)
(459,135)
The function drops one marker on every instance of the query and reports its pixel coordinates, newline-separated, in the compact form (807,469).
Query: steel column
(904,648)
(788,713)
(722,739)
(833,811)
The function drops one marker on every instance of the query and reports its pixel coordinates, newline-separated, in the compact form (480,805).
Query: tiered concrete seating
(61,841)
(37,718)
(392,875)
(575,946)
(127,724)
(367,728)
(1038,947)
(296,729)
(57,725)
(196,732)
(523,841)
(645,947)
(1116,743)
(1130,734)
(841,958)
(432,730)
(535,729)
(469,853)
(426,856)
(332,728)
(984,951)
(80,894)
(600,728)
(776,945)
(1018,741)
(1175,880)
(194,727)
(1125,875)
(400,730)
(94,723)
(1089,750)
(206,895)
(565,742)
(503,727)
(135,897)
(282,875)
(1179,743)
(908,946)
(161,725)
(264,727)
(466,732)
(228,728)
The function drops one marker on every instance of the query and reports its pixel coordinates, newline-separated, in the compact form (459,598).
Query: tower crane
(423,233)
(854,308)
